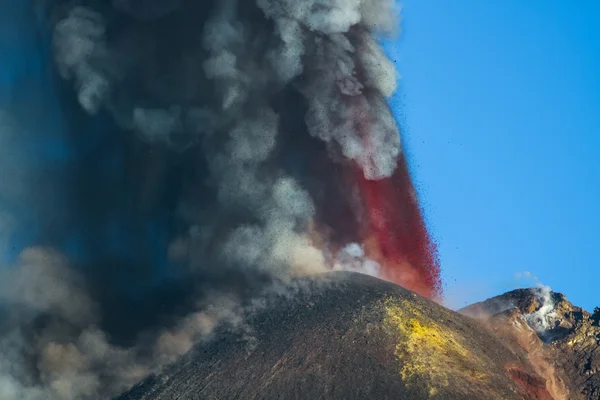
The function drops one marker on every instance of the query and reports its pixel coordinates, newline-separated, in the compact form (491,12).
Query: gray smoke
(206,87)
(67,355)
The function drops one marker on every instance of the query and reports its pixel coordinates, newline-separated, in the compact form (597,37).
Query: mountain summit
(351,336)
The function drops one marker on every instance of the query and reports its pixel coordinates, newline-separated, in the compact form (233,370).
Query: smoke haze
(161,163)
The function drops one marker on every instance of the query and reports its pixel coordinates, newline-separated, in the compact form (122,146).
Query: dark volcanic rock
(350,336)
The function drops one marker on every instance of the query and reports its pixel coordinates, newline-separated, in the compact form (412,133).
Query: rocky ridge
(562,340)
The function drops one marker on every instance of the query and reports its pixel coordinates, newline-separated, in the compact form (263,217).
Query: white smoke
(352,258)
(543,317)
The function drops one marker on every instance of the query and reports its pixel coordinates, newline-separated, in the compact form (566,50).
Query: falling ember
(383,216)
(389,221)
(394,233)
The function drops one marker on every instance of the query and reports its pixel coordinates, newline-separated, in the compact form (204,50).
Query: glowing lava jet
(391,225)
(382,215)
(393,232)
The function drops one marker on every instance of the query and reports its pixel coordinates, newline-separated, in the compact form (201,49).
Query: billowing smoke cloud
(52,344)
(199,152)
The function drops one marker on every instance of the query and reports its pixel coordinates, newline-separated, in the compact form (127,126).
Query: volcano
(351,336)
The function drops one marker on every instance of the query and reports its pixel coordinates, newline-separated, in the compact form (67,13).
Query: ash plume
(204,151)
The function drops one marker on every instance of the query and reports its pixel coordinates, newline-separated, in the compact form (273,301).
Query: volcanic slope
(562,340)
(349,336)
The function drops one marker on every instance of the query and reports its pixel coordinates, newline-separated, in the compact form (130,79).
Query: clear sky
(500,106)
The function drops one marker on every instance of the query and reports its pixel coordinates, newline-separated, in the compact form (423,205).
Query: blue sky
(500,106)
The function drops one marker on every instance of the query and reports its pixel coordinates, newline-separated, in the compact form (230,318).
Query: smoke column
(161,162)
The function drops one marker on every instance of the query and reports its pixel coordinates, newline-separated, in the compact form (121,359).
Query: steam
(197,120)
(543,317)
(352,258)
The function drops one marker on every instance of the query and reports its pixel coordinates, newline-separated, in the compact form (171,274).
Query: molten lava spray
(161,162)
(395,234)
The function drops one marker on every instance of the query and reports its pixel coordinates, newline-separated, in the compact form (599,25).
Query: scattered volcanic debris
(162,162)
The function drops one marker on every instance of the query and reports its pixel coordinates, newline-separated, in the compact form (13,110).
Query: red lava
(394,233)
(390,221)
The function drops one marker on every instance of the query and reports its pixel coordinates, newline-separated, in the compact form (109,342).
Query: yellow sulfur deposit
(427,350)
